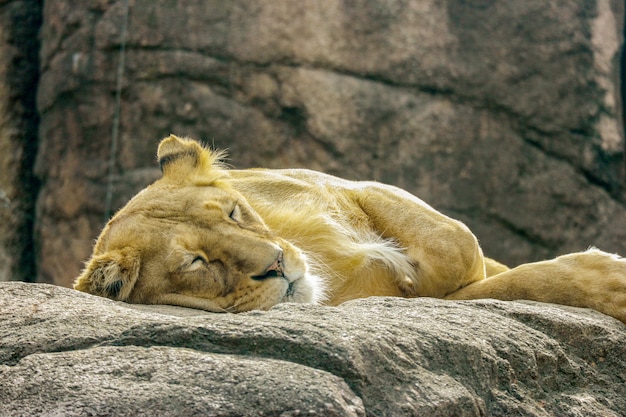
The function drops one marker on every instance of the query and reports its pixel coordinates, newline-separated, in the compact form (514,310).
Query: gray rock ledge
(65,353)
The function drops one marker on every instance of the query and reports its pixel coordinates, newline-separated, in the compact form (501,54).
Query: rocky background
(20,22)
(506,115)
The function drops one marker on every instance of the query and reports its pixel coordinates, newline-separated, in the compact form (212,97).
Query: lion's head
(190,239)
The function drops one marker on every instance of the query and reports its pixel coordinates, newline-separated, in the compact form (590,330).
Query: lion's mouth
(273,273)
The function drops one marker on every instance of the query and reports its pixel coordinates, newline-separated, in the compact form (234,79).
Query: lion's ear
(112,274)
(185,159)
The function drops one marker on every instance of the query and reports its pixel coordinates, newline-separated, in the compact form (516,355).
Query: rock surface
(67,353)
(506,115)
(19,46)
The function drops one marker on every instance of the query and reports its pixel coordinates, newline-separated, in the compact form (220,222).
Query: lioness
(224,240)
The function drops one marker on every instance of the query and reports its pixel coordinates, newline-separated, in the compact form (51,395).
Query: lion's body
(235,240)
(327,218)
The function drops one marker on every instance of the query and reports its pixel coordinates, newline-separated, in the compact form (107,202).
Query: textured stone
(505,115)
(19,25)
(69,353)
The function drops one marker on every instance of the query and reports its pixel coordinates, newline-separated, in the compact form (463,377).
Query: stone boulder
(506,115)
(65,353)
(19,72)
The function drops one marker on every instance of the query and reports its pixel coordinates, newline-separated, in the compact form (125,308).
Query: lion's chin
(308,290)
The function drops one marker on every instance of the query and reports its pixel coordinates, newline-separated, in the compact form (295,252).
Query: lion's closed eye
(235,214)
(197,263)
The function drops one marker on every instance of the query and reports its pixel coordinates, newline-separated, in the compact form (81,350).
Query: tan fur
(235,240)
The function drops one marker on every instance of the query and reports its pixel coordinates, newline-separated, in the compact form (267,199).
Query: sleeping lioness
(224,240)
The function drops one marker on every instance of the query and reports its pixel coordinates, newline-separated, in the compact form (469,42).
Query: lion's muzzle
(275,270)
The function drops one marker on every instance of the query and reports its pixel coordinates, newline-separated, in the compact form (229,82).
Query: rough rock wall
(505,115)
(65,353)
(19,47)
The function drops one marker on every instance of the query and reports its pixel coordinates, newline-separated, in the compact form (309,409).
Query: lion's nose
(278,263)
(274,270)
